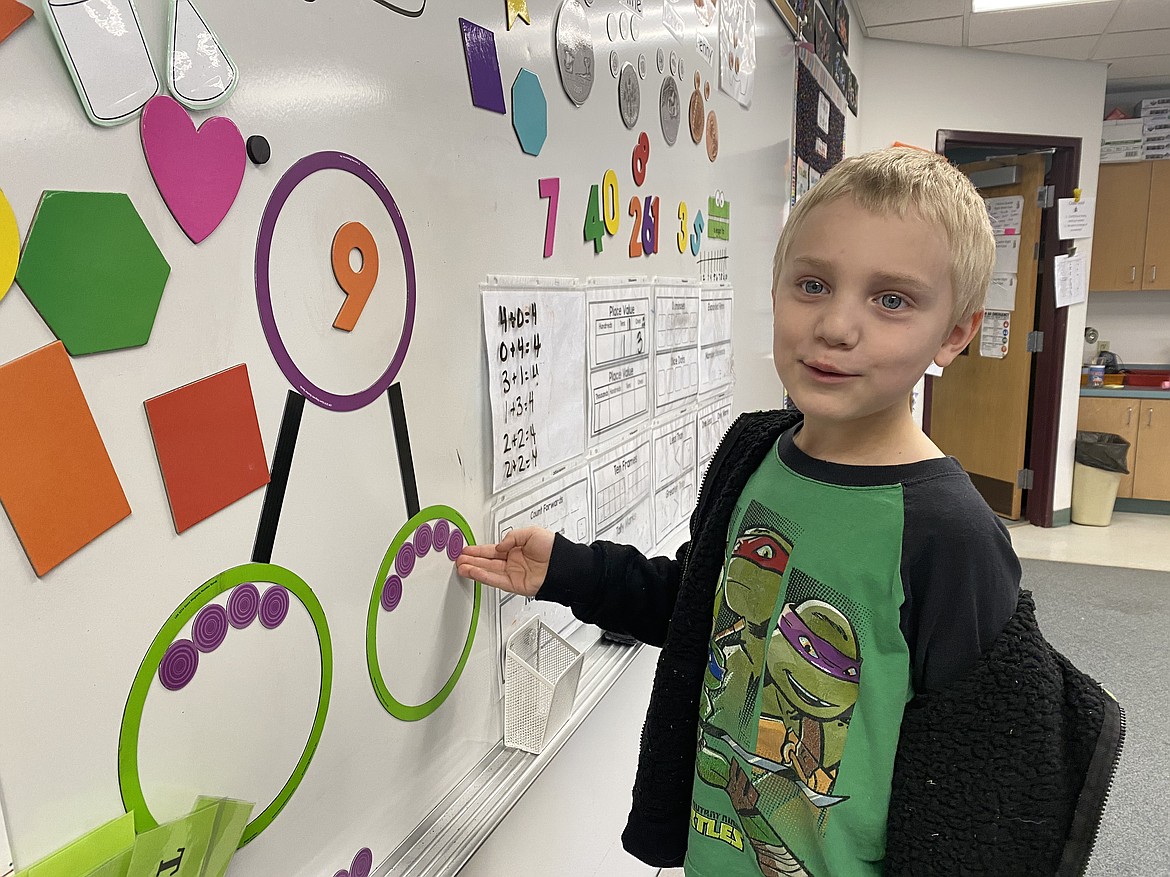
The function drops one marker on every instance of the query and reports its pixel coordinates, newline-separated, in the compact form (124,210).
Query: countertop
(1127,392)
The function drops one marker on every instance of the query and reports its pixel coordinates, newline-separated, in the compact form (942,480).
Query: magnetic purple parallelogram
(483,67)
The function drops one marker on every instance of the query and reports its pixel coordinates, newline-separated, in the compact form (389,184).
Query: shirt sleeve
(961,579)
(615,586)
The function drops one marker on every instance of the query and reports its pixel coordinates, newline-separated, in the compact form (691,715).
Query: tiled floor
(1131,540)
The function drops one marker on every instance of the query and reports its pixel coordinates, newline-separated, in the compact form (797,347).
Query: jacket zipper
(1108,788)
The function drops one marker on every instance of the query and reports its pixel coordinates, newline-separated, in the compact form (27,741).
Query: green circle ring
(396,708)
(128,778)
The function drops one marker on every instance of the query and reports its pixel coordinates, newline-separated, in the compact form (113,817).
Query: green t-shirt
(809,668)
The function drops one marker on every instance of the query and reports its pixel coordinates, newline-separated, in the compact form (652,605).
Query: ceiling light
(1004,5)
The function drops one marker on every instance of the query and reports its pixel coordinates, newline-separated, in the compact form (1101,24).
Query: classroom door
(979,406)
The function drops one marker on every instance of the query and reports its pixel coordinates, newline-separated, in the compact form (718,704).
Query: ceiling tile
(1140,14)
(993,28)
(1131,68)
(879,12)
(1073,48)
(1120,89)
(1133,44)
(938,31)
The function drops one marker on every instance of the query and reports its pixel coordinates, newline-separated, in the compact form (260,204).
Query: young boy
(839,564)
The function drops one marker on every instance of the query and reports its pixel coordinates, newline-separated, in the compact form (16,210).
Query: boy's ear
(958,339)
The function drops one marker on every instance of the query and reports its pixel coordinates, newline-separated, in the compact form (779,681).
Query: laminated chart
(532,333)
(561,505)
(675,483)
(619,357)
(715,338)
(714,420)
(621,482)
(676,343)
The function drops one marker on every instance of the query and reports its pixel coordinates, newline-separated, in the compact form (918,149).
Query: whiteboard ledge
(449,836)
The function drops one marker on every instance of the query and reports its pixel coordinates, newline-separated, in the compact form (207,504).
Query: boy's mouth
(827,372)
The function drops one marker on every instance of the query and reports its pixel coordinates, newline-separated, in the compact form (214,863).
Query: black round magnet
(258,149)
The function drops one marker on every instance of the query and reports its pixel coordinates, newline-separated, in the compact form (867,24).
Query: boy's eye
(812,287)
(891,301)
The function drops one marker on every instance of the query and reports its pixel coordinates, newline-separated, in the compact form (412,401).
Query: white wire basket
(541,671)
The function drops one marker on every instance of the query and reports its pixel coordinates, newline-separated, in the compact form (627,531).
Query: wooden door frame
(1048,365)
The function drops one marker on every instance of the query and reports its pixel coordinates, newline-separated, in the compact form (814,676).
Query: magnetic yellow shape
(517,9)
(9,245)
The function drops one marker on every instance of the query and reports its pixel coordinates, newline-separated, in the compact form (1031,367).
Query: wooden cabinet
(1145,424)
(1151,465)
(1131,231)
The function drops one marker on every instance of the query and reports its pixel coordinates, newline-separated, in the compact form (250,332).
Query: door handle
(1132,273)
(1149,417)
(1153,273)
(1129,415)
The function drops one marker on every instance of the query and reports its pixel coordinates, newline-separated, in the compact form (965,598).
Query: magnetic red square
(56,481)
(208,443)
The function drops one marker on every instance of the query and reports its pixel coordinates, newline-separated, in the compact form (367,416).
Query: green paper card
(230,822)
(90,851)
(119,866)
(174,849)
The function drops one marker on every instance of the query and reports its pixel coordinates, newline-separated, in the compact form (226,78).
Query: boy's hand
(518,564)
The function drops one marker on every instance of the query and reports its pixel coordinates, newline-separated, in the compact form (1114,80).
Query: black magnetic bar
(402,441)
(286,443)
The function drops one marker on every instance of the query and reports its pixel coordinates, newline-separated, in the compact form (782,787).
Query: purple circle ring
(455,545)
(423,540)
(440,533)
(242,605)
(210,627)
(178,665)
(404,560)
(292,178)
(363,860)
(273,607)
(392,593)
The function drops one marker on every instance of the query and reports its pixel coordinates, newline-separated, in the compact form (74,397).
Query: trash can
(1098,464)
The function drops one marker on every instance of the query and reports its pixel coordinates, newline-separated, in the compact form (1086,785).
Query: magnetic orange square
(208,443)
(12,16)
(56,480)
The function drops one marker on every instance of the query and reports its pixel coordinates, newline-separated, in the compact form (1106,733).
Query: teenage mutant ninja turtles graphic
(799,677)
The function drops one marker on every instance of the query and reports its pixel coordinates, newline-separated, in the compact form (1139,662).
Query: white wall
(1134,324)
(910,91)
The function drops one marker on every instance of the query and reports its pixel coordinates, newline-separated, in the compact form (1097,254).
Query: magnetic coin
(642,66)
(680,70)
(635,28)
(712,136)
(574,51)
(707,90)
(696,117)
(673,62)
(629,95)
(669,109)
(698,81)
(624,24)
(613,64)
(660,56)
(611,26)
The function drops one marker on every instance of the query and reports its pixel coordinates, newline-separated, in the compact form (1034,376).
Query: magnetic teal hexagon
(92,270)
(529,111)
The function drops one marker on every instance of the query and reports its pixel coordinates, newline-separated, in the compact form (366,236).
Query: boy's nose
(837,326)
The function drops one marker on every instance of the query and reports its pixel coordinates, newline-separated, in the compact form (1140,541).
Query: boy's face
(863,304)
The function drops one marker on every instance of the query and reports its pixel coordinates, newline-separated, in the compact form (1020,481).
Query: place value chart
(535,349)
(619,346)
(676,343)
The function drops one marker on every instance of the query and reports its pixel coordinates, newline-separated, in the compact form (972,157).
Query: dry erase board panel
(334,680)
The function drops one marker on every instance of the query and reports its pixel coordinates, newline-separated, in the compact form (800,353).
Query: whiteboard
(351,77)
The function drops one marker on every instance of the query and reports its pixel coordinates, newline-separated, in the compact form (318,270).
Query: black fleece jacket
(1005,772)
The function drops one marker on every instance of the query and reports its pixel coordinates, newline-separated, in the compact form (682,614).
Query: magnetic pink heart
(198,172)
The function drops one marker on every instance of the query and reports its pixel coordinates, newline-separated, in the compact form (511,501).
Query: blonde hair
(908,181)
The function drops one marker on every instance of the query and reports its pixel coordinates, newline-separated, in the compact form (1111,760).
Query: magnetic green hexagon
(529,111)
(92,270)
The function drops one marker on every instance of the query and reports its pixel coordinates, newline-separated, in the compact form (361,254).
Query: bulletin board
(275,463)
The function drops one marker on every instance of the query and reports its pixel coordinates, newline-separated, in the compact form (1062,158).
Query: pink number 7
(550,187)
